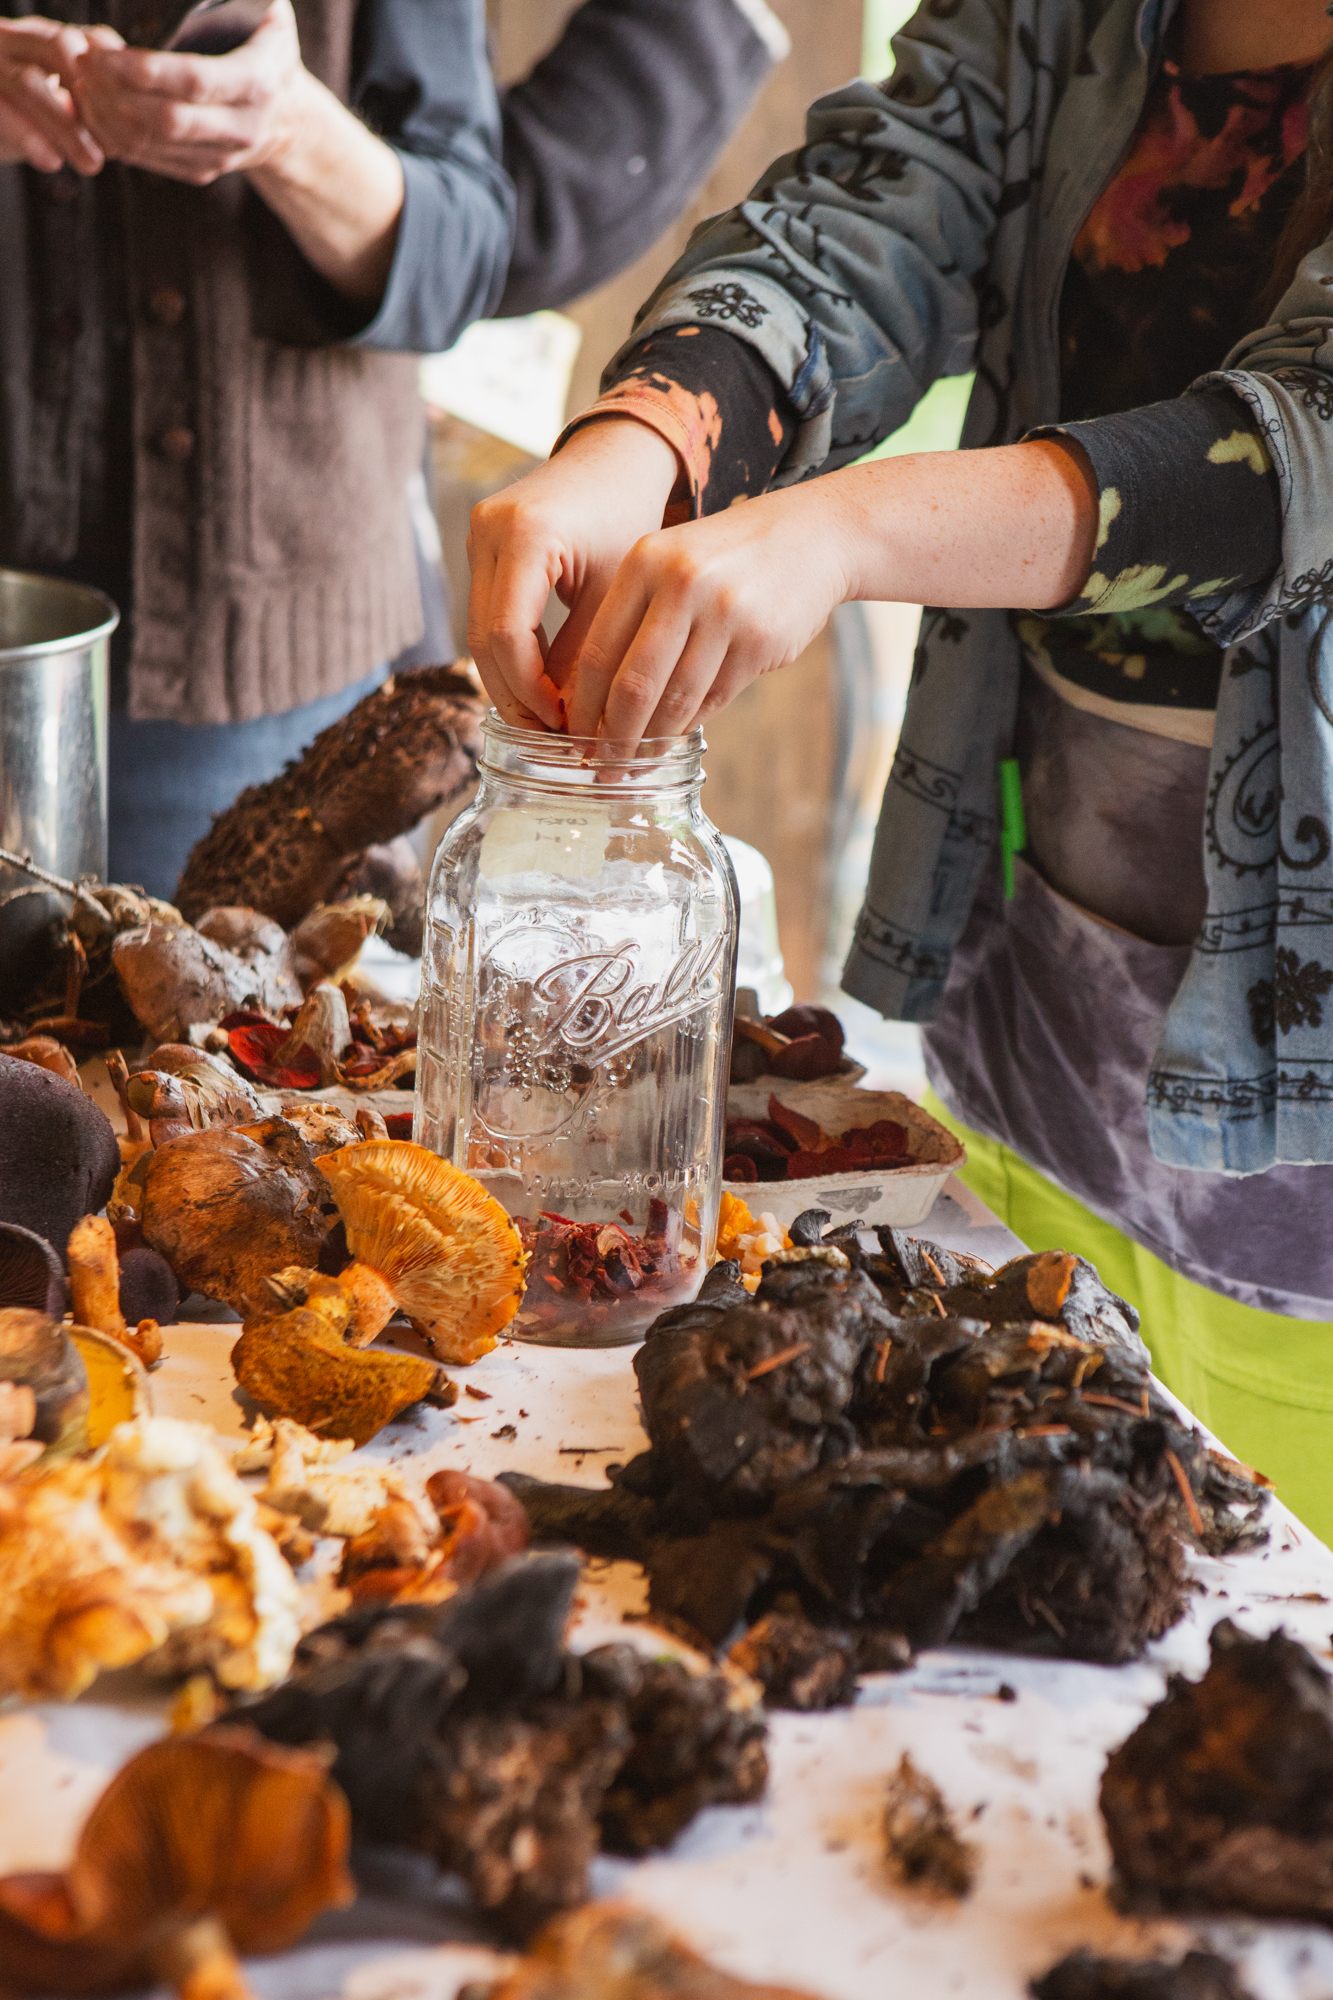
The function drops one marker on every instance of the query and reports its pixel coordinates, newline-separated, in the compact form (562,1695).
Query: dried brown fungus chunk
(923,1845)
(1223,1796)
(401,753)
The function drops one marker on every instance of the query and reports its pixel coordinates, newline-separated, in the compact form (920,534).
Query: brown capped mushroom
(182,1089)
(228,1206)
(427,1240)
(47,1053)
(297,1363)
(199,1848)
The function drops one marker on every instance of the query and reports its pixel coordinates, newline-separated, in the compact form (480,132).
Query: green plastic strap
(1013,824)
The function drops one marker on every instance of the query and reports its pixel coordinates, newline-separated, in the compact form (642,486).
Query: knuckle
(635,689)
(677,704)
(509,635)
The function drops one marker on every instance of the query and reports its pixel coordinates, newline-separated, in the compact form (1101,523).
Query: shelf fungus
(199,1849)
(612,1952)
(908,1450)
(230,1205)
(1223,1796)
(295,1360)
(1085,1976)
(151,1553)
(470,1732)
(427,1240)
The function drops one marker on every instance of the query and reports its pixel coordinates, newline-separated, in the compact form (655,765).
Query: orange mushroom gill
(427,1240)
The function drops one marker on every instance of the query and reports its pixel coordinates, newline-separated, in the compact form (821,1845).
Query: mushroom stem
(94,1282)
(373,1303)
(201,1965)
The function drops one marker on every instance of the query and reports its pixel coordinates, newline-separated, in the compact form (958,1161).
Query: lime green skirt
(1263,1384)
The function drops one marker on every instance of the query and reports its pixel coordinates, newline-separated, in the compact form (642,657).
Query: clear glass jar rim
(540,755)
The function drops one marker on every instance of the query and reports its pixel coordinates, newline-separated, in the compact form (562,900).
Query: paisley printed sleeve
(716,401)
(1189,503)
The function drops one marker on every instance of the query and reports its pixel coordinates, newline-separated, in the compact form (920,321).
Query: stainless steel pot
(54,640)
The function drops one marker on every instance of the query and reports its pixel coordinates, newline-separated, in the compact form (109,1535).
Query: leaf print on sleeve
(1293,998)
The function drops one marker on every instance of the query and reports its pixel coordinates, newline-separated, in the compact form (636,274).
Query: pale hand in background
(40,124)
(195,118)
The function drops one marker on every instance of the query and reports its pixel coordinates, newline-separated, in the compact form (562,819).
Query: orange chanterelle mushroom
(427,1240)
(200,1848)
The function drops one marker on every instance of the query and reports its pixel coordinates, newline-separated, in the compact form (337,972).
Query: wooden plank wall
(771,756)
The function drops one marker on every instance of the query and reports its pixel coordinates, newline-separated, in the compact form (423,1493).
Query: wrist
(860,514)
(302,110)
(637,449)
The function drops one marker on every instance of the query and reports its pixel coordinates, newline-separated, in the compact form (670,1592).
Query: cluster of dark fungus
(896,1448)
(1223,1796)
(469,1731)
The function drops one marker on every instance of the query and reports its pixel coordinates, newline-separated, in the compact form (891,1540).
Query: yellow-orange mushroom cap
(429,1239)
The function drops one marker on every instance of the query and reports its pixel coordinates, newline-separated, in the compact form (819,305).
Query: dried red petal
(398,1124)
(801,1131)
(254,1043)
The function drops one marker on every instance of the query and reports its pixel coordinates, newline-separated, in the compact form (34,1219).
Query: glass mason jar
(576,1001)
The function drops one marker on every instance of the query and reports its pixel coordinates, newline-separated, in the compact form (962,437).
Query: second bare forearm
(338,190)
(1012,527)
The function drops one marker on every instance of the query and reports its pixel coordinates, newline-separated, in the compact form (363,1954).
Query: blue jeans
(168,780)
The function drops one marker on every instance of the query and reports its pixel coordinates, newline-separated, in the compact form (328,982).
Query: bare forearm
(338,190)
(1013,527)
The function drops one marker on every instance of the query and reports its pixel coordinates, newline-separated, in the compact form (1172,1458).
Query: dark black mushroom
(58,1152)
(468,1731)
(1085,1976)
(31,1273)
(148,1288)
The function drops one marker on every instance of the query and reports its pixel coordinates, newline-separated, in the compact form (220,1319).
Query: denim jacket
(924,229)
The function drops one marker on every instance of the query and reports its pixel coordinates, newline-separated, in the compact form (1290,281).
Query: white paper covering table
(793,1889)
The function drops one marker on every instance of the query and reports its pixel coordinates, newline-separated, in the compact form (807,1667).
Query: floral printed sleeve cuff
(1189,503)
(715,400)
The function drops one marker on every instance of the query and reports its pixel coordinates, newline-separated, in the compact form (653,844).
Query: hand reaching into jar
(40,124)
(667,627)
(194,118)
